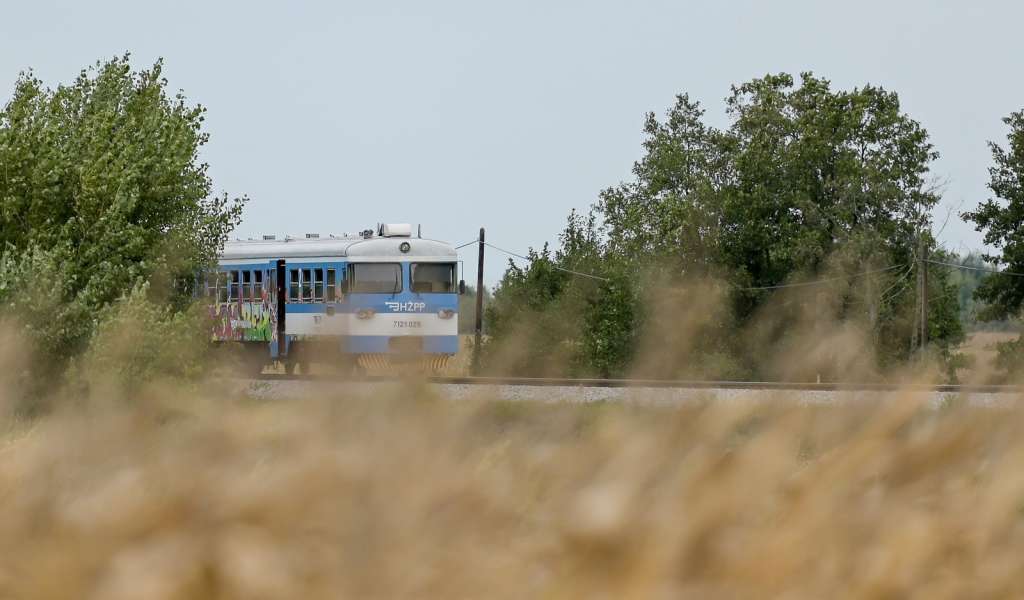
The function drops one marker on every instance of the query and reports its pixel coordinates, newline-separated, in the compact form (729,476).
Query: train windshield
(433,277)
(375,278)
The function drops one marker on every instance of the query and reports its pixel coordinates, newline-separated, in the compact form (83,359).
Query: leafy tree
(573,310)
(601,291)
(944,322)
(101,191)
(672,209)
(610,326)
(1001,219)
(968,280)
(527,329)
(805,183)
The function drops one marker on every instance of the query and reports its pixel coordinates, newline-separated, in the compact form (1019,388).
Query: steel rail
(655,383)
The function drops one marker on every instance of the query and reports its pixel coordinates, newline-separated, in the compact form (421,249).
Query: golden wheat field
(177,493)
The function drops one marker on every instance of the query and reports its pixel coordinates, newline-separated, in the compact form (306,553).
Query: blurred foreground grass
(420,497)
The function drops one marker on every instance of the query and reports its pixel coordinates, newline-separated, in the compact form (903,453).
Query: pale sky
(333,116)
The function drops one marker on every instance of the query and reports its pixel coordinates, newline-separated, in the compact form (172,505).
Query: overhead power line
(970,268)
(764,287)
(527,258)
(900,281)
(819,281)
(744,289)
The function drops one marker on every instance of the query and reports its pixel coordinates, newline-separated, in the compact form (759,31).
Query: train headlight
(365,313)
(446,313)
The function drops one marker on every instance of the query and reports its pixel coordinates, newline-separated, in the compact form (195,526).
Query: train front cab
(403,314)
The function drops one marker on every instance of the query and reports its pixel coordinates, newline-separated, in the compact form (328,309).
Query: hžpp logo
(406,306)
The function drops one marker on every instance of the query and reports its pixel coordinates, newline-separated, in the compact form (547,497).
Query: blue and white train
(369,301)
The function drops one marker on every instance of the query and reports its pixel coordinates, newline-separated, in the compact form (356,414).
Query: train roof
(357,247)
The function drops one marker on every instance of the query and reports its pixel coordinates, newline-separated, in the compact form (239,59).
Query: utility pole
(479,303)
(924,295)
(920,333)
(872,304)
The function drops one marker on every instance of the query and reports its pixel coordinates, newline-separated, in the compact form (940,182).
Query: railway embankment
(654,393)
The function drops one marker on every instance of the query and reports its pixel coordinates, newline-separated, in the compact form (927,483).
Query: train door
(280,290)
(335,322)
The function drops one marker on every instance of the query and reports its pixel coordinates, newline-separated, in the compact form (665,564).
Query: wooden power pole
(921,331)
(924,296)
(478,332)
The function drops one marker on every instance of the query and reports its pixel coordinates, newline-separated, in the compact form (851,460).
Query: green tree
(528,329)
(611,321)
(101,192)
(967,280)
(805,183)
(571,311)
(1001,219)
(672,209)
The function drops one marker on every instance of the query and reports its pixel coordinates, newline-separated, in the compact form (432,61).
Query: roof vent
(312,236)
(267,238)
(396,230)
(366,233)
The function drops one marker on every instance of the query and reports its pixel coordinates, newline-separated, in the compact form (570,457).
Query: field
(204,493)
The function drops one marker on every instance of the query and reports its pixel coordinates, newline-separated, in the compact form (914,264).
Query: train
(379,300)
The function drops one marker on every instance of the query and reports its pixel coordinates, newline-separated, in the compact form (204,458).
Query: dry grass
(419,497)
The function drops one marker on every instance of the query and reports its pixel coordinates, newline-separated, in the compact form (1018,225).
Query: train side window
(293,287)
(331,283)
(222,287)
(307,286)
(257,286)
(234,291)
(246,286)
(182,286)
(318,285)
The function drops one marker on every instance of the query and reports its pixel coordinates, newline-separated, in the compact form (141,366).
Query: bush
(138,340)
(1010,358)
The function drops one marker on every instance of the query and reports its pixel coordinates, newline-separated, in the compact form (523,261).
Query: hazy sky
(334,116)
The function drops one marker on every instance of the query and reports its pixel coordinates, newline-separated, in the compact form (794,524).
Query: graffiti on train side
(244,321)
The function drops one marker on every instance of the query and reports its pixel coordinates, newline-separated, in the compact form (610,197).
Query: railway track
(658,383)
